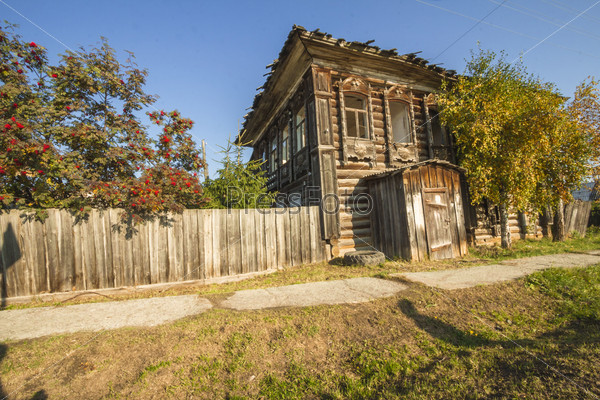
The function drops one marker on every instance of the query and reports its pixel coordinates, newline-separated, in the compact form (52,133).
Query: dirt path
(43,321)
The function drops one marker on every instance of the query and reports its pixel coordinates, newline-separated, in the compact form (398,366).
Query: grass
(335,270)
(534,338)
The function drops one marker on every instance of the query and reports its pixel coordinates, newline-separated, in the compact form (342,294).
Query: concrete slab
(357,290)
(37,322)
(503,271)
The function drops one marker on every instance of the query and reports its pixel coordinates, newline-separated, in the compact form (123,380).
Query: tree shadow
(129,223)
(10,253)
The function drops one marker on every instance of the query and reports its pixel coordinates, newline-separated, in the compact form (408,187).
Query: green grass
(577,291)
(530,248)
(482,342)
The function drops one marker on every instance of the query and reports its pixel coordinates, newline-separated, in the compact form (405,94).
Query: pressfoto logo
(360,204)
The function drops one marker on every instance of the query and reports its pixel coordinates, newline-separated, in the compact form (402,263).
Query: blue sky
(206,59)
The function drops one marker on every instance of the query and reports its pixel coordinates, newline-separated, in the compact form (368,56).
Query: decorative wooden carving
(360,149)
(398,92)
(430,100)
(413,125)
(371,125)
(354,84)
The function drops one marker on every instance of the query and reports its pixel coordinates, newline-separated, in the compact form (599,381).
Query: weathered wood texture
(62,255)
(418,213)
(526,225)
(485,227)
(577,215)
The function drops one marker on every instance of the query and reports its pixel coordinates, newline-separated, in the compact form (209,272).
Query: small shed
(418,211)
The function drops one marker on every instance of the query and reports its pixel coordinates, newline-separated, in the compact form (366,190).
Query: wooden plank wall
(60,255)
(577,215)
(398,221)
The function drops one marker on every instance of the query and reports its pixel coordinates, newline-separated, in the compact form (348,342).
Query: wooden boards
(410,208)
(61,254)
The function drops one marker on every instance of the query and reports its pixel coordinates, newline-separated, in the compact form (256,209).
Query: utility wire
(506,29)
(557,30)
(565,7)
(544,18)
(36,25)
(470,29)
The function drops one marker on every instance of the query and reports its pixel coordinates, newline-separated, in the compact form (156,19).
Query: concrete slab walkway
(503,271)
(347,291)
(43,321)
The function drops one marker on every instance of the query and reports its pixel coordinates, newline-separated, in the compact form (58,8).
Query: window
(400,119)
(356,116)
(273,155)
(300,129)
(285,144)
(440,137)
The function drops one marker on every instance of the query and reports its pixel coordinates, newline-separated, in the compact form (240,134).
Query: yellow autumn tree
(514,134)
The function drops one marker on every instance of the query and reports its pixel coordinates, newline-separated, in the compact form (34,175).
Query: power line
(565,7)
(470,29)
(507,29)
(36,25)
(545,18)
(558,30)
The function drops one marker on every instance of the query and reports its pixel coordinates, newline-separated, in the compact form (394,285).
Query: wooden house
(332,115)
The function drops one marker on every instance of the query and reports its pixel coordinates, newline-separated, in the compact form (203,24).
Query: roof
(391,172)
(302,48)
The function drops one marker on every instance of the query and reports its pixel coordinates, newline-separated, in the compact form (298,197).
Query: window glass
(356,116)
(300,129)
(273,157)
(352,101)
(440,137)
(400,118)
(285,141)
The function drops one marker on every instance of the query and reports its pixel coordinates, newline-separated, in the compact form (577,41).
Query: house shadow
(571,336)
(10,253)
(442,330)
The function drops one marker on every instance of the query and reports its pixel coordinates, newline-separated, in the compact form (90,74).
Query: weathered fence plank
(64,253)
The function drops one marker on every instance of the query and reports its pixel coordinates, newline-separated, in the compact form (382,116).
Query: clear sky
(206,58)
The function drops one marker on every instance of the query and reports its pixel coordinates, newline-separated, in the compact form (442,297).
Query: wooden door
(437,223)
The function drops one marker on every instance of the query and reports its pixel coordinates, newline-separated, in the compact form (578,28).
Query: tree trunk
(545,219)
(504,231)
(558,229)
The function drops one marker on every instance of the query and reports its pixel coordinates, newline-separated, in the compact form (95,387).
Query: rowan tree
(516,139)
(72,135)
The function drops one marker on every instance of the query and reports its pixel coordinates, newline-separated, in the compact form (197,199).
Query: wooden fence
(62,255)
(577,215)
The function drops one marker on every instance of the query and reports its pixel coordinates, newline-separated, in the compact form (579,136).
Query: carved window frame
(435,149)
(398,152)
(411,122)
(357,87)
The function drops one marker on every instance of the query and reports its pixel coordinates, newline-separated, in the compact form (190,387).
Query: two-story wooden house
(356,126)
